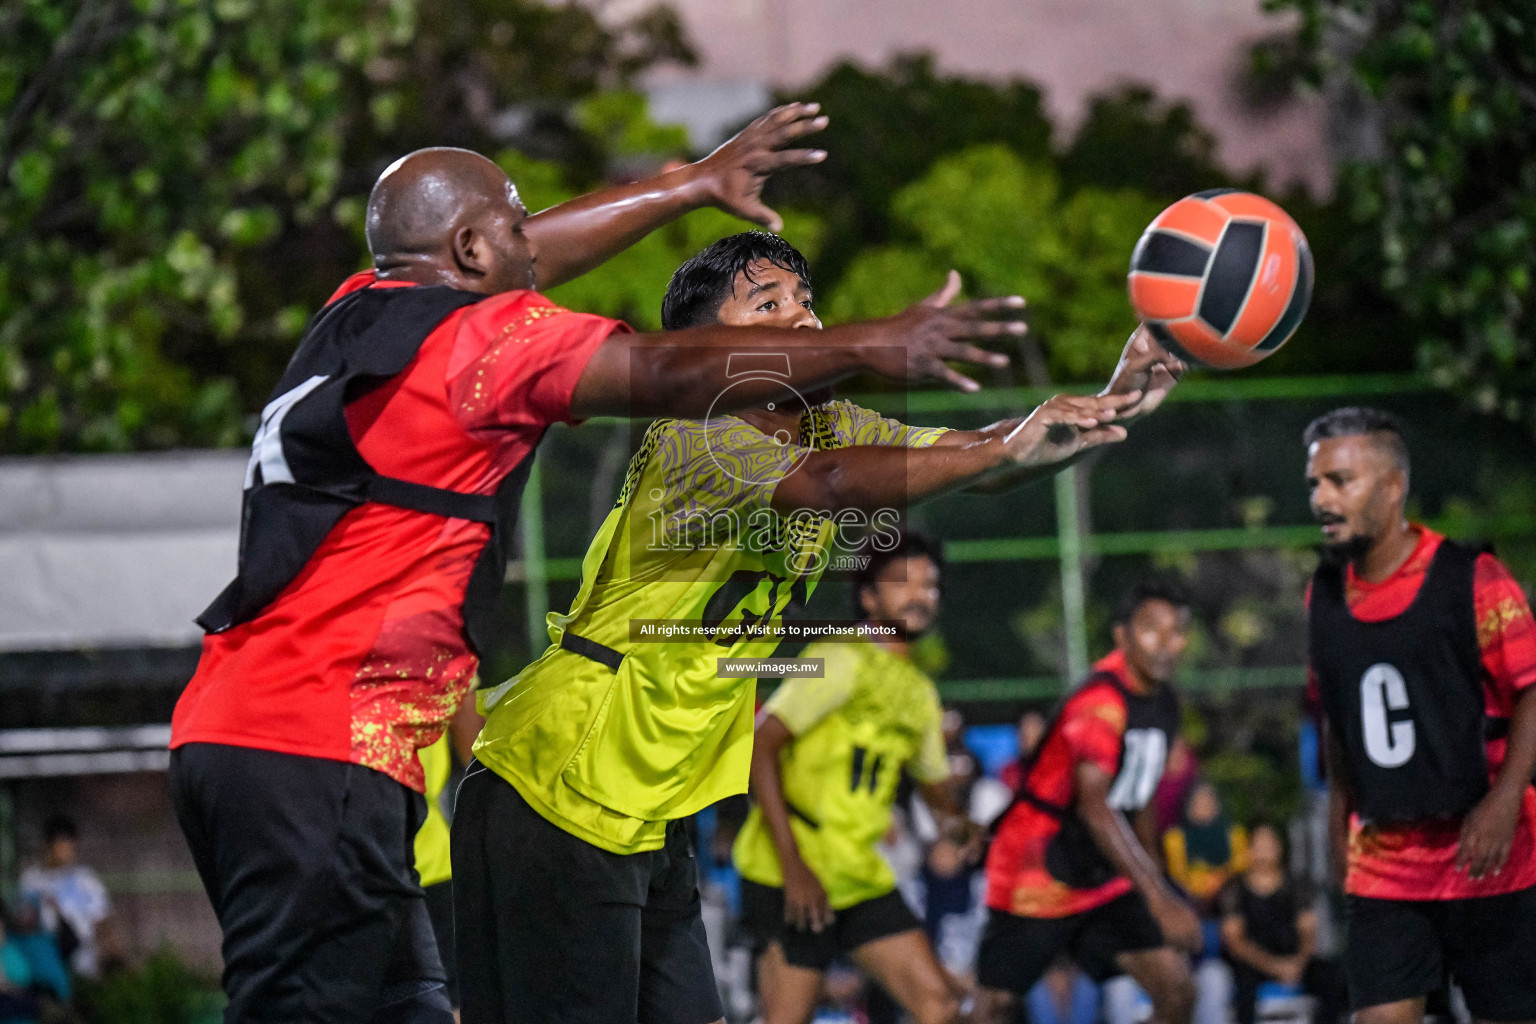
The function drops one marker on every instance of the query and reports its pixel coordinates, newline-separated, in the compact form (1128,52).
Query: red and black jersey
(363,655)
(1043,862)
(1416,860)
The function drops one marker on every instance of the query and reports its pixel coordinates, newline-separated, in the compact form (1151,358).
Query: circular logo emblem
(753,468)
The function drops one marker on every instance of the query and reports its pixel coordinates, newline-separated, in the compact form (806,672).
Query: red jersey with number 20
(1035,841)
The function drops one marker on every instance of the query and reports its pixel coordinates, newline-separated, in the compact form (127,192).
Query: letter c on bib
(1383,689)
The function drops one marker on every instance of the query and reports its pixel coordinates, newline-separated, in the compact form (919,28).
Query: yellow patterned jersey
(873,715)
(611,754)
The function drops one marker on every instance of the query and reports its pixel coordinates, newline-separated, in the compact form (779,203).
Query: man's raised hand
(1147,367)
(735,173)
(1065,425)
(932,330)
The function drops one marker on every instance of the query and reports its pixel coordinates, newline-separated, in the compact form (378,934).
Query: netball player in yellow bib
(828,756)
(575,888)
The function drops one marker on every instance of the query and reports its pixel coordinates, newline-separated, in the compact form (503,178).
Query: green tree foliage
(182,181)
(1451,195)
(1005,224)
(629,287)
(887,129)
(147,148)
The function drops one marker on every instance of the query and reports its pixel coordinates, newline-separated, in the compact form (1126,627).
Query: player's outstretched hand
(1064,425)
(806,906)
(1180,926)
(1145,366)
(735,173)
(935,329)
(1487,832)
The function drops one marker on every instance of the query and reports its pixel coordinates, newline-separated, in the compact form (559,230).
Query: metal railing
(1068,545)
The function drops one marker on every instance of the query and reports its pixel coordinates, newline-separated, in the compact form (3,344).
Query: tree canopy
(184,182)
(1445,181)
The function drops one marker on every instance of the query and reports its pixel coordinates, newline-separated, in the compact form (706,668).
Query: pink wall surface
(1184,49)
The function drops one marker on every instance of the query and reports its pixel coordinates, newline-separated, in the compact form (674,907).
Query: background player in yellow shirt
(575,889)
(827,756)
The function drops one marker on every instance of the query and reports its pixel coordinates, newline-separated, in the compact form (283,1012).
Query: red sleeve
(1506,633)
(1093,726)
(518,359)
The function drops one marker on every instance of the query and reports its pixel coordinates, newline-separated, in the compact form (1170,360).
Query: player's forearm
(1116,841)
(872,477)
(1010,477)
(1146,834)
(942,799)
(768,790)
(1520,753)
(692,373)
(577,236)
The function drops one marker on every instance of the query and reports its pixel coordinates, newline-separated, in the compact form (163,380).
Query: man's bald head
(424,203)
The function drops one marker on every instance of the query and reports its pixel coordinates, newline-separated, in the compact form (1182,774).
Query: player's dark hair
(1171,591)
(1358,420)
(912,544)
(700,287)
(60,826)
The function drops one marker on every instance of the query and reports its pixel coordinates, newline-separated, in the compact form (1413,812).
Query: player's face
(1356,491)
(907,590)
(767,295)
(1154,640)
(511,252)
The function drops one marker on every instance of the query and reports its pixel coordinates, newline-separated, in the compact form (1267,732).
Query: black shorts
(440,913)
(1015,951)
(1402,949)
(550,928)
(762,914)
(310,866)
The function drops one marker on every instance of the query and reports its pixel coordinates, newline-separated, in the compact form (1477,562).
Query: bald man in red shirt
(1423,662)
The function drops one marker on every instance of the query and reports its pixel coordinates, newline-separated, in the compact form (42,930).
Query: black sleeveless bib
(305,471)
(1151,725)
(1404,697)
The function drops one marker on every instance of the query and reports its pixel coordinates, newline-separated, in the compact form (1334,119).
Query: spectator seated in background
(1268,935)
(17,1003)
(72,898)
(1205,849)
(1173,788)
(1064,995)
(50,979)
(951,917)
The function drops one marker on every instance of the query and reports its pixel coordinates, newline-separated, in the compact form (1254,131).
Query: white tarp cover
(115,550)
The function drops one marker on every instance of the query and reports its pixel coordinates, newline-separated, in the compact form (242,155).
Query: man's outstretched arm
(806,906)
(575,237)
(684,373)
(872,477)
(1145,367)
(1114,838)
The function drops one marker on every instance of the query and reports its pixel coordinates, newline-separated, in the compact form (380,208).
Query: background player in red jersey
(1423,659)
(1073,868)
(379,505)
